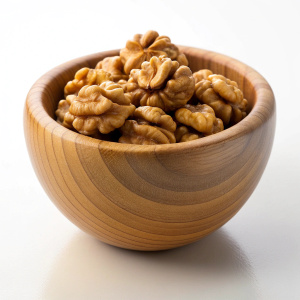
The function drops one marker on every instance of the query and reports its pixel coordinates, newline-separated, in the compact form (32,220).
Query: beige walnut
(200,117)
(114,66)
(224,96)
(151,126)
(202,74)
(62,109)
(186,134)
(86,76)
(143,47)
(162,83)
(100,108)
(62,112)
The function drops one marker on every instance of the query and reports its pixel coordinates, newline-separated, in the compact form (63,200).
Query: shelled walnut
(200,117)
(151,126)
(143,47)
(62,112)
(161,83)
(224,96)
(86,76)
(114,66)
(102,108)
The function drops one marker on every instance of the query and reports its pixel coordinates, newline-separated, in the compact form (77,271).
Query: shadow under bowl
(150,197)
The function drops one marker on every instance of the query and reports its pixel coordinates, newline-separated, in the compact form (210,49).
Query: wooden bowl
(150,197)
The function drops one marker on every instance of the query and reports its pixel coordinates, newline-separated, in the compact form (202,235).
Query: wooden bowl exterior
(150,197)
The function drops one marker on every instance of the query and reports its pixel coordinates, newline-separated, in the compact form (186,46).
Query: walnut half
(151,126)
(63,116)
(224,96)
(100,108)
(161,83)
(86,76)
(200,117)
(143,47)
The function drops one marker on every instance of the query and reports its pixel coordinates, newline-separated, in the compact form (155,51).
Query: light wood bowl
(150,197)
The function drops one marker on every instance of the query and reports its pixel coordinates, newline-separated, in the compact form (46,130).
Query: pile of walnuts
(149,95)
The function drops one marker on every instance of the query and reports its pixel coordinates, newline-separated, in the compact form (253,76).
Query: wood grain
(150,197)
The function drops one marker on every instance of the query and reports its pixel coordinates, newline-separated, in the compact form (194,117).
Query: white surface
(256,255)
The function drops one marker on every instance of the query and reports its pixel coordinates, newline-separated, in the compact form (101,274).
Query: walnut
(114,66)
(155,116)
(68,120)
(100,108)
(62,112)
(151,126)
(224,96)
(200,117)
(186,134)
(143,47)
(86,76)
(62,109)
(161,83)
(202,74)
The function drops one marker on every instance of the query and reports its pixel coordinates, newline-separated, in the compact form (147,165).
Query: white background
(256,255)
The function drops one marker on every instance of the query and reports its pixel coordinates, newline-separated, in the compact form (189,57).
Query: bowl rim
(262,111)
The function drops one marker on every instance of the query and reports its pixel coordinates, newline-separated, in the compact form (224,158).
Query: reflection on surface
(212,268)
